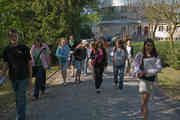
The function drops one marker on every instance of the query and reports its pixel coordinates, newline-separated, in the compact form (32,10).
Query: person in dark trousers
(99,63)
(17,59)
(41,60)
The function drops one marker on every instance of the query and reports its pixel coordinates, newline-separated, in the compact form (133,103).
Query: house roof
(123,21)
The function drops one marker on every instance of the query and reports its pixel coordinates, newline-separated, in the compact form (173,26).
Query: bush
(163,48)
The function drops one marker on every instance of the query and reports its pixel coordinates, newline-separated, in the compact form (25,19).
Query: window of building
(161,28)
(167,28)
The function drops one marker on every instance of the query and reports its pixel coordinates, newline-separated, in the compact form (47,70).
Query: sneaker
(98,91)
(120,85)
(64,83)
(43,92)
(115,85)
(76,82)
(35,98)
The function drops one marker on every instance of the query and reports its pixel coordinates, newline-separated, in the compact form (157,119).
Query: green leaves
(48,18)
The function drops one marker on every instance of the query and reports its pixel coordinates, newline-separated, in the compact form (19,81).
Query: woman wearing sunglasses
(146,66)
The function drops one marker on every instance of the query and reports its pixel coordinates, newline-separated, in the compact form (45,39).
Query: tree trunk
(171,41)
(154,31)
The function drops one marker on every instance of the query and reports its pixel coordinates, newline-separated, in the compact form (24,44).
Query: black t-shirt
(80,54)
(17,58)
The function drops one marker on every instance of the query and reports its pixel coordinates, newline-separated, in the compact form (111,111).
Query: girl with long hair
(62,53)
(99,63)
(146,66)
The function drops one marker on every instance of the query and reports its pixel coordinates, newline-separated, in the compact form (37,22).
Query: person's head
(62,41)
(13,37)
(38,41)
(128,43)
(84,43)
(70,37)
(120,44)
(92,44)
(99,44)
(149,48)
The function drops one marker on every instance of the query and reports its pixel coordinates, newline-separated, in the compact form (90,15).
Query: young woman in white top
(130,51)
(146,66)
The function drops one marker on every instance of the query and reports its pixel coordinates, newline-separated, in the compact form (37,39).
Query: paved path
(82,103)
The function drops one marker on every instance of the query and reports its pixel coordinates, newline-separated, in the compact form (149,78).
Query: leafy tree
(48,18)
(165,11)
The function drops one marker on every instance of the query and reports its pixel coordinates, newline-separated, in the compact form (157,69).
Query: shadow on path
(81,102)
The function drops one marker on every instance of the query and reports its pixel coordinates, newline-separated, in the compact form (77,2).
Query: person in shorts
(62,53)
(146,66)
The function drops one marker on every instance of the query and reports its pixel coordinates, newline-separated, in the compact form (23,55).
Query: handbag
(36,68)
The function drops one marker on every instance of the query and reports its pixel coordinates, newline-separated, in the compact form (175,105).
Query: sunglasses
(149,45)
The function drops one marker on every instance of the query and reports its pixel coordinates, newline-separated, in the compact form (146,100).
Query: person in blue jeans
(119,59)
(79,55)
(85,61)
(17,59)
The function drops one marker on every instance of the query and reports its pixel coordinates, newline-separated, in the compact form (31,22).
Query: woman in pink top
(99,63)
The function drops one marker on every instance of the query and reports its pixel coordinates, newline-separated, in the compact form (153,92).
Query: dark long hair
(153,51)
(100,44)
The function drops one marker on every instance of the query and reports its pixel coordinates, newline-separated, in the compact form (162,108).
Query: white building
(126,16)
(162,32)
(119,16)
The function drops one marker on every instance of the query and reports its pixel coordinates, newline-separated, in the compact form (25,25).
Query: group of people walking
(22,62)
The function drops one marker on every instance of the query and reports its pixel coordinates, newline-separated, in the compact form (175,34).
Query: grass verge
(7,98)
(169,81)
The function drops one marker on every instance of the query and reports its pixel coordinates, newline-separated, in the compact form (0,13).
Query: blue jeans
(78,65)
(85,65)
(20,87)
(119,72)
(40,82)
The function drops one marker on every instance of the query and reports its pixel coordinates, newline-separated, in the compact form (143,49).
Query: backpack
(119,56)
(79,54)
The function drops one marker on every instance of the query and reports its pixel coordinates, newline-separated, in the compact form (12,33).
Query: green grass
(169,80)
(7,98)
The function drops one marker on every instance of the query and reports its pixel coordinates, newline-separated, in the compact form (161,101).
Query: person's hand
(141,74)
